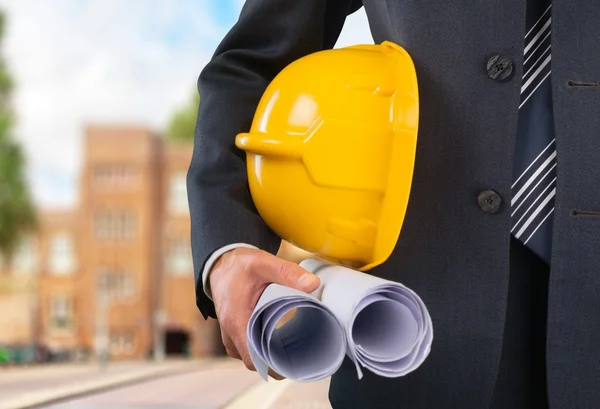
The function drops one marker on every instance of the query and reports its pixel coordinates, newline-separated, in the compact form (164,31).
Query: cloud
(79,61)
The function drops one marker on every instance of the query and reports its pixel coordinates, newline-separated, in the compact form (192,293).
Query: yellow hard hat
(331,152)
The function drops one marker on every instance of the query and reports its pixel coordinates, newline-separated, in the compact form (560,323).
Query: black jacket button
(489,201)
(499,67)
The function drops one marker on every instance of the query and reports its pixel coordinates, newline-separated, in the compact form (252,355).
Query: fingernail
(307,280)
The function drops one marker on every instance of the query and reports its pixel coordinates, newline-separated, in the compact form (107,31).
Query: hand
(237,280)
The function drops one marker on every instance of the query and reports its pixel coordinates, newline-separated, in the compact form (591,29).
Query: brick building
(59,272)
(19,286)
(116,271)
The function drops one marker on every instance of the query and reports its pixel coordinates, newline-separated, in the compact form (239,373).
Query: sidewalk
(284,394)
(219,383)
(31,387)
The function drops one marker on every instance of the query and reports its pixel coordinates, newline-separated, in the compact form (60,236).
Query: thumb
(287,273)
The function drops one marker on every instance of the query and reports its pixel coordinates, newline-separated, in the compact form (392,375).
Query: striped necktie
(534,187)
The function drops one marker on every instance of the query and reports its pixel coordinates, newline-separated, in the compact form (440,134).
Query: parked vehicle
(5,356)
(22,354)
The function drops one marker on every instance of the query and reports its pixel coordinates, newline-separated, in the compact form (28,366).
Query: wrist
(210,264)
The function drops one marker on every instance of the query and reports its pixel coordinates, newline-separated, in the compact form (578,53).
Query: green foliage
(182,125)
(17,212)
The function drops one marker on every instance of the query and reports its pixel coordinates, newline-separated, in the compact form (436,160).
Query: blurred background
(98,105)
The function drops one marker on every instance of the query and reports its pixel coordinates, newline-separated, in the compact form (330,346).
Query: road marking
(260,396)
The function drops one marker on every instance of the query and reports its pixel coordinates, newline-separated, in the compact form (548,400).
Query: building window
(61,313)
(180,257)
(114,225)
(114,343)
(62,254)
(118,283)
(102,225)
(178,201)
(102,176)
(114,176)
(125,286)
(121,343)
(125,225)
(26,257)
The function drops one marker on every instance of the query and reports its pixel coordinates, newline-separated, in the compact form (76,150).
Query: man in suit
(502,234)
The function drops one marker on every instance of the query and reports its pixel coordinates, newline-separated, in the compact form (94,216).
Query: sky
(110,61)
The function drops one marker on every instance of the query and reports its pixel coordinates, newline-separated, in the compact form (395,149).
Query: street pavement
(14,382)
(226,385)
(204,389)
(25,387)
(220,383)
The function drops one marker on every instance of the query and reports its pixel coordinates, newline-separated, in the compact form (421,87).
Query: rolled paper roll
(388,328)
(309,347)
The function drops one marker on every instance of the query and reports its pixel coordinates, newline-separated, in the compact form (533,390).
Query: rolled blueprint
(381,325)
(307,348)
(388,328)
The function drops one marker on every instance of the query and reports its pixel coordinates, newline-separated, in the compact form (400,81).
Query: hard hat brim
(406,125)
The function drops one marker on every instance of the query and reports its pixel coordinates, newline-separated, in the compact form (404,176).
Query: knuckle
(286,270)
(254,261)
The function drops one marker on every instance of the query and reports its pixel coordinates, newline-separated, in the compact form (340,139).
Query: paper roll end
(312,265)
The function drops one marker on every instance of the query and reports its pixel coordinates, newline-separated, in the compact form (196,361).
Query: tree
(17,212)
(182,125)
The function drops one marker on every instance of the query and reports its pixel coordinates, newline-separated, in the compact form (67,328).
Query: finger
(247,362)
(250,365)
(275,375)
(272,269)
(242,348)
(230,346)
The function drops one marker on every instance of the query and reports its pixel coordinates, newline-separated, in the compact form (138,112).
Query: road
(32,385)
(212,388)
(22,382)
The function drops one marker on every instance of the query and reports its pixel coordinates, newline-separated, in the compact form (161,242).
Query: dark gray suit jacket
(451,252)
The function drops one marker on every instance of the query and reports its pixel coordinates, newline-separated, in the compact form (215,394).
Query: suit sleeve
(269,35)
